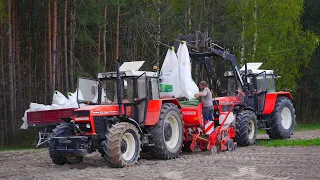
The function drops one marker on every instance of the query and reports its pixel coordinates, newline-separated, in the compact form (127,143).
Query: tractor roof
(253,68)
(131,66)
(127,74)
(129,69)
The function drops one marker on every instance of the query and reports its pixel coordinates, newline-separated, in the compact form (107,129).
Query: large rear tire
(63,130)
(122,145)
(282,119)
(246,128)
(167,134)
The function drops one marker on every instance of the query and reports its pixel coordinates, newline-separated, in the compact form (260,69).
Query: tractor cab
(259,83)
(129,88)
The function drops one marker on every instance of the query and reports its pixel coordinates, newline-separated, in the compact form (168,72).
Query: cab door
(260,91)
(89,90)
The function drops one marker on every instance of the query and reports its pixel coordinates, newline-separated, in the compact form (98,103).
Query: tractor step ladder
(43,136)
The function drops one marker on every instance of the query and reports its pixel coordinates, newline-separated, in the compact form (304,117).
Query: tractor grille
(83,126)
(81,113)
(101,124)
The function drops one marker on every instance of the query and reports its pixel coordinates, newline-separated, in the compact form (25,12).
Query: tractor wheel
(246,128)
(167,134)
(282,119)
(122,145)
(63,130)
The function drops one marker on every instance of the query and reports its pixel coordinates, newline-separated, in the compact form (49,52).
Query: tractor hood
(98,110)
(228,100)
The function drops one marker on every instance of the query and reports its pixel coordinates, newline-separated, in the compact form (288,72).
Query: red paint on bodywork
(154,108)
(48,117)
(153,112)
(104,110)
(229,100)
(192,116)
(232,132)
(271,99)
(99,110)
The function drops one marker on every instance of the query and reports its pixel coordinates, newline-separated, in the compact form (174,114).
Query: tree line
(46,44)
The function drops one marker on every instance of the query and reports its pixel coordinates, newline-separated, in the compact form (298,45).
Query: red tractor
(125,116)
(252,91)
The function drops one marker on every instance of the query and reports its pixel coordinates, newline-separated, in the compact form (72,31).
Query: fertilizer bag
(188,86)
(170,79)
(59,99)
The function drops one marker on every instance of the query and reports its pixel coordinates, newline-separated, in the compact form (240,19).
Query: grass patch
(299,127)
(261,131)
(25,140)
(295,142)
(305,127)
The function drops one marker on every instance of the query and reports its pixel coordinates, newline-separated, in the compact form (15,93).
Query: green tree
(271,32)
(3,13)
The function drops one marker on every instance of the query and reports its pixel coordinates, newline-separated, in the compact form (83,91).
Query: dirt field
(252,162)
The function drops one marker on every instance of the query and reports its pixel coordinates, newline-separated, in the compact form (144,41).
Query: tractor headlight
(88,126)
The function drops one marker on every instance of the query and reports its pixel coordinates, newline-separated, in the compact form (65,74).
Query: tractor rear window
(154,88)
(261,83)
(270,83)
(266,85)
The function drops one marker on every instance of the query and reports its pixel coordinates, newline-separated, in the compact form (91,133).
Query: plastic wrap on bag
(59,102)
(24,119)
(170,80)
(59,98)
(188,86)
(72,97)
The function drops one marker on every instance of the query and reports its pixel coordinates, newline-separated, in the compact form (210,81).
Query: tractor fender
(271,99)
(154,108)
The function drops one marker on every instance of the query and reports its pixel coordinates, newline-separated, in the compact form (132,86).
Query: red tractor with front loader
(250,91)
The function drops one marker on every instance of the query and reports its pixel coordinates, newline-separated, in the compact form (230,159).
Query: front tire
(167,134)
(63,130)
(246,128)
(282,119)
(122,145)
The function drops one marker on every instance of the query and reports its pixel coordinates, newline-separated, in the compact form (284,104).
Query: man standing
(206,96)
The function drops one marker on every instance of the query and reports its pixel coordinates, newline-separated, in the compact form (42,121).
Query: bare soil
(253,162)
